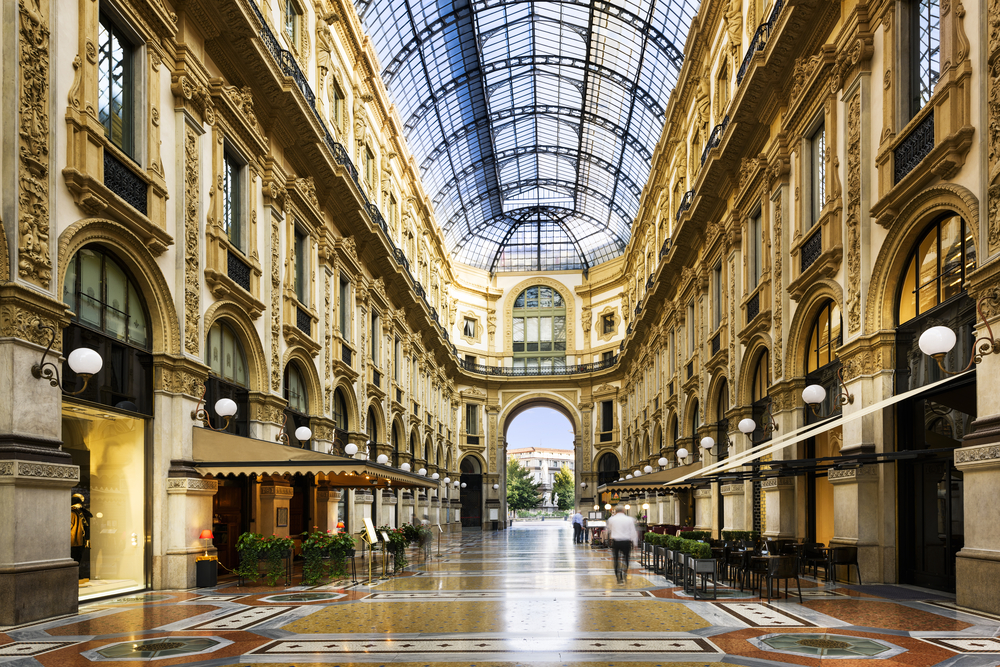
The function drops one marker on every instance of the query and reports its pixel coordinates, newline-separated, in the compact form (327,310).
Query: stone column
(406,507)
(855,521)
(779,493)
(733,506)
(979,559)
(275,494)
(37,576)
(327,499)
(703,509)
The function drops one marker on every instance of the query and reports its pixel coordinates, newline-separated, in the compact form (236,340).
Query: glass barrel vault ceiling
(533,122)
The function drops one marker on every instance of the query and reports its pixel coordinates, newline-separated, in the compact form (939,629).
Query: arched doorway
(471,484)
(540,439)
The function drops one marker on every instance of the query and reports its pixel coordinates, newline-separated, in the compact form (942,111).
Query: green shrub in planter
(397,545)
(341,547)
(701,551)
(274,550)
(674,543)
(696,535)
(248,546)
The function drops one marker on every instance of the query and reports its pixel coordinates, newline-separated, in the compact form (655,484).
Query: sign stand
(370,537)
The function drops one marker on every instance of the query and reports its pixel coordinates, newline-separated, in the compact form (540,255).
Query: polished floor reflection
(527,595)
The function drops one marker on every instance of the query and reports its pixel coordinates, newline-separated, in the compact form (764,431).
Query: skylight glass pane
(472,116)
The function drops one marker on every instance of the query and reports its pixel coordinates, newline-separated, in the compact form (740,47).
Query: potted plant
(315,552)
(274,550)
(340,548)
(248,546)
(396,547)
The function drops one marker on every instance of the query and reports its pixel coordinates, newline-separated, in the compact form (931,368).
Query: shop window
(539,329)
(116,84)
(297,411)
(232,199)
(340,410)
(109,316)
(937,270)
(107,508)
(824,338)
(228,378)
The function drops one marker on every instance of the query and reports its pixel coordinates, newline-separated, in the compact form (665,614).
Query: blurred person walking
(622,534)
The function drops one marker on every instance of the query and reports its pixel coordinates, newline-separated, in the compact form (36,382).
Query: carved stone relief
(34,261)
(192,310)
(275,305)
(778,290)
(853,249)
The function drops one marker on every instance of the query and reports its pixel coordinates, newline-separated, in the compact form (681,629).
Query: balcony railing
(759,40)
(303,321)
(811,250)
(346,354)
(715,138)
(753,307)
(238,270)
(686,202)
(665,248)
(508,371)
(914,148)
(124,182)
(716,343)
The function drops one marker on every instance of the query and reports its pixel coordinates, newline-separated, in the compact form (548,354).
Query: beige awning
(654,481)
(747,457)
(219,454)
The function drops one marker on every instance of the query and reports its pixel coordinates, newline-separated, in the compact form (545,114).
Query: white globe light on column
(636,473)
(463,485)
(707,442)
(496,486)
(747,426)
(628,476)
(405,467)
(663,462)
(682,453)
(583,485)
(647,469)
(382,458)
(351,449)
(303,433)
(422,471)
(84,361)
(435,475)
(937,341)
(447,480)
(814,394)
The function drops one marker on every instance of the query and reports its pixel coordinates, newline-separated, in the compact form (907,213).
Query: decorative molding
(35,470)
(853,245)
(779,292)
(868,473)
(609,310)
(192,486)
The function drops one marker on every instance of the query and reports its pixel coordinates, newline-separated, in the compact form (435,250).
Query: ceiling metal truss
(533,121)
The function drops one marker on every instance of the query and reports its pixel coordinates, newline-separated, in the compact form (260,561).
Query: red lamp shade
(206,535)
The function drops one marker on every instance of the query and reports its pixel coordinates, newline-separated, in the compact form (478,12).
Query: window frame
(968,242)
(817,172)
(110,21)
(233,161)
(540,359)
(301,251)
(755,250)
(344,308)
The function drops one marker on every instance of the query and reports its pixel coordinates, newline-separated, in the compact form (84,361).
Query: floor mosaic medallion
(827,646)
(157,648)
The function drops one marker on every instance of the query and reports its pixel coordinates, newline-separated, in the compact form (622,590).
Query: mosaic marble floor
(526,596)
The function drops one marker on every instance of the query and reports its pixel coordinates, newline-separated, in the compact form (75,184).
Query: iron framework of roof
(533,122)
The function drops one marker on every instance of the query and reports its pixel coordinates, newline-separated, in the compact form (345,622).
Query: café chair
(783,567)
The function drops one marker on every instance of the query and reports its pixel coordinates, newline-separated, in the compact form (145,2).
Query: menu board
(370,529)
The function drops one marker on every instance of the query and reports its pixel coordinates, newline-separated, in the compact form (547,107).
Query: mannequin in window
(79,532)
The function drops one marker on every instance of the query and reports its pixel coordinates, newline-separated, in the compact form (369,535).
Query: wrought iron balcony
(238,270)
(811,250)
(124,182)
(509,371)
(686,202)
(303,321)
(914,148)
(753,307)
(715,138)
(759,41)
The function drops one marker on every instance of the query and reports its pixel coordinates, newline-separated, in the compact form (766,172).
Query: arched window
(103,297)
(607,469)
(297,411)
(761,377)
(539,327)
(340,410)
(938,267)
(413,444)
(695,423)
(396,445)
(109,316)
(824,337)
(372,433)
(722,424)
(228,376)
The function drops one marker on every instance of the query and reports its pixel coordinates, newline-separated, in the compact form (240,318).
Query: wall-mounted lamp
(815,394)
(382,459)
(708,444)
(83,361)
(682,454)
(647,469)
(422,471)
(663,461)
(456,483)
(748,426)
(938,341)
(597,507)
(435,475)
(447,480)
(627,507)
(404,466)
(583,485)
(302,433)
(350,449)
(628,476)
(637,473)
(607,506)
(463,485)
(224,407)
(496,486)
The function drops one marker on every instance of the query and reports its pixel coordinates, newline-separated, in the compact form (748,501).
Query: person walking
(586,531)
(622,534)
(577,527)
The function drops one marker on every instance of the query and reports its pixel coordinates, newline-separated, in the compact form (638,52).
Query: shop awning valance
(654,481)
(772,446)
(219,454)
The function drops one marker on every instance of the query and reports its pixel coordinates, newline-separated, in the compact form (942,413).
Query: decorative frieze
(868,473)
(853,249)
(192,289)
(192,486)
(33,469)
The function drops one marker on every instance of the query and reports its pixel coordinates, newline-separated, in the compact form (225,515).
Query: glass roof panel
(533,122)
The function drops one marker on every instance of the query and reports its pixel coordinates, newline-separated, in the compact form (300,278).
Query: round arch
(411,443)
(508,311)
(539,400)
(375,408)
(478,464)
(237,319)
(798,329)
(715,385)
(428,450)
(757,345)
(350,402)
(305,363)
(658,443)
(913,218)
(691,403)
(397,431)
(133,254)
